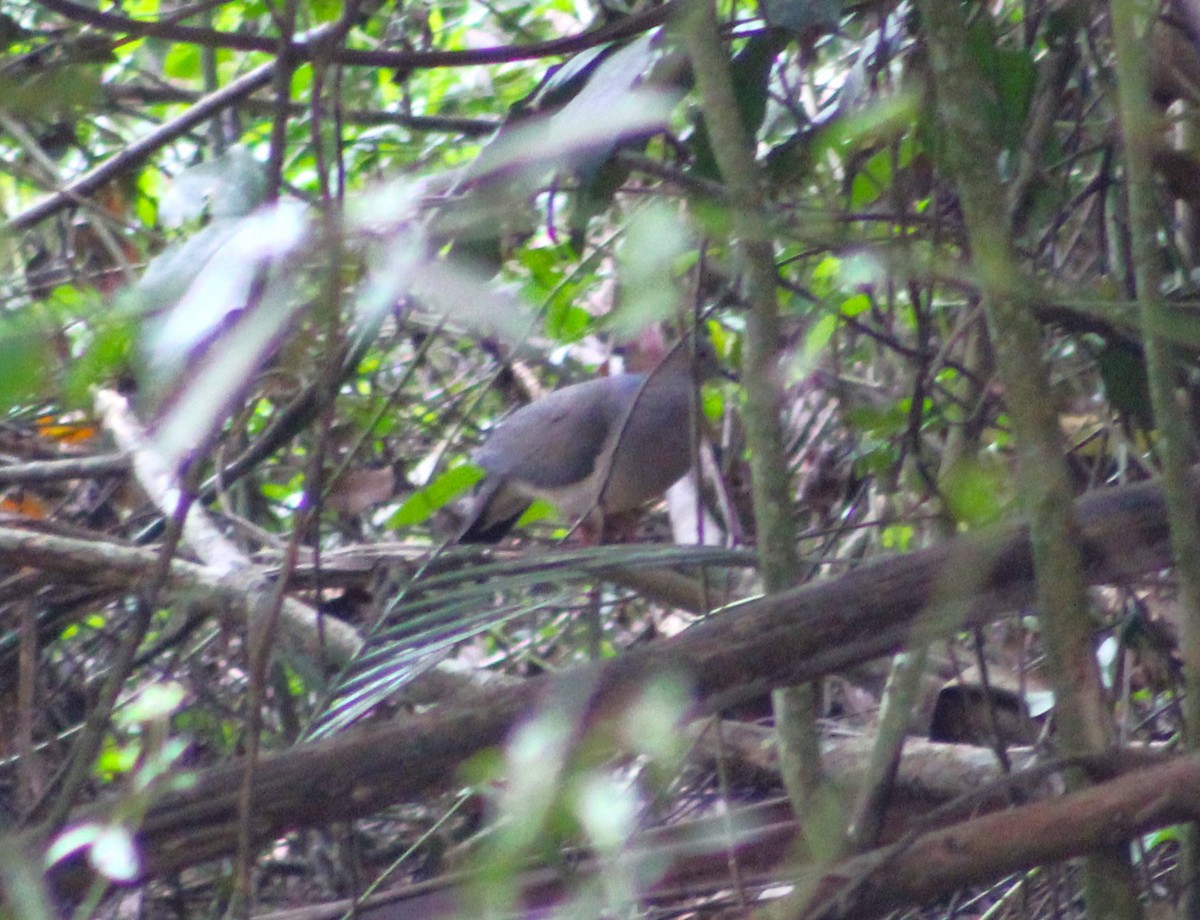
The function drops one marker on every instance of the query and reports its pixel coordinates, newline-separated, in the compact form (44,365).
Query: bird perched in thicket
(593,449)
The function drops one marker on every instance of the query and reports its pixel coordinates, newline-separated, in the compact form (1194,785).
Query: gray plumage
(602,447)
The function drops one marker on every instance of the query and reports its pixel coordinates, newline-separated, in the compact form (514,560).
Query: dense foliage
(322,247)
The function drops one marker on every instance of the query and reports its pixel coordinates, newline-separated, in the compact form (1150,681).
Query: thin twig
(38,471)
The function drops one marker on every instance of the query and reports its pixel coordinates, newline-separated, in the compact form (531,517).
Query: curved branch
(308,48)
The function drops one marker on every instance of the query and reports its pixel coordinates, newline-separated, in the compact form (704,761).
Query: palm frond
(433,614)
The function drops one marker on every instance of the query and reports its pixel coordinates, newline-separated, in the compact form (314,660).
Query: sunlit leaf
(71,841)
(117,760)
(539,510)
(608,810)
(856,304)
(154,703)
(897,537)
(182,61)
(114,855)
(421,505)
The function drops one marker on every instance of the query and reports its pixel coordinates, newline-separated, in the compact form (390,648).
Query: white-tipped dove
(593,449)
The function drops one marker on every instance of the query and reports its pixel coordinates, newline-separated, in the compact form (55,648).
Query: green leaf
(1012,74)
(1127,382)
(566,321)
(103,359)
(326,10)
(855,304)
(182,62)
(117,760)
(25,355)
(1172,834)
(154,704)
(897,537)
(977,495)
(421,505)
(871,180)
(820,334)
(539,510)
(231,185)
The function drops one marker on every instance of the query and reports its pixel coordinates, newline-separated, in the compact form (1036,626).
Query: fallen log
(740,652)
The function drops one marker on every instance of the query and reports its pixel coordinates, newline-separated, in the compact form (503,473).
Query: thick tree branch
(748,649)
